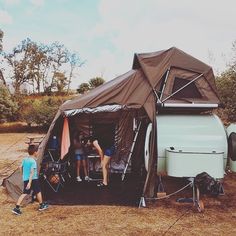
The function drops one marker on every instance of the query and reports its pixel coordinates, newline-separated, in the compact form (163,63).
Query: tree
(8,106)
(40,111)
(61,81)
(84,87)
(95,82)
(25,62)
(58,55)
(40,66)
(226,85)
(75,62)
(1,36)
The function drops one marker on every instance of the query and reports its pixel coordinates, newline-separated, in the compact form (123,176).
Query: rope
(7,168)
(178,219)
(4,170)
(167,196)
(8,148)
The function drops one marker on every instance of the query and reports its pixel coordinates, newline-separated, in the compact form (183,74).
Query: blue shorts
(35,186)
(80,157)
(109,151)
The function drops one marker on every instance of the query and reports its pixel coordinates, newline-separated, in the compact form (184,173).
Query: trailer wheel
(232,146)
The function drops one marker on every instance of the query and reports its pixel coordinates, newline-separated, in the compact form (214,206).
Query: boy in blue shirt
(30,178)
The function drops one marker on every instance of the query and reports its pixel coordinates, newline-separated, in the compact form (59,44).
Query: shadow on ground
(123,193)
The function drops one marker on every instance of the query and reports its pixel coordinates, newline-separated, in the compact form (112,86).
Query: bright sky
(107,33)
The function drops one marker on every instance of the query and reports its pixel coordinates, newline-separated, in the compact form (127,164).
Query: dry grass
(162,218)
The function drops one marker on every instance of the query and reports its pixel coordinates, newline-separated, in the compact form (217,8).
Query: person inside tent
(81,158)
(105,149)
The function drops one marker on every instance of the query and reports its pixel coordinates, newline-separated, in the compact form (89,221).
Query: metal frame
(131,151)
(190,82)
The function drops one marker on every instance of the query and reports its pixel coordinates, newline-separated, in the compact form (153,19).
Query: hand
(28,185)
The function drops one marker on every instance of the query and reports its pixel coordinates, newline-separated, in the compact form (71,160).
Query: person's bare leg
(20,199)
(39,197)
(84,162)
(78,167)
(105,164)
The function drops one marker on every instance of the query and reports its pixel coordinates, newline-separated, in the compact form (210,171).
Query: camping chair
(54,172)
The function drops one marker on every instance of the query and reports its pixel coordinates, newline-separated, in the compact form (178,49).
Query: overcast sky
(107,33)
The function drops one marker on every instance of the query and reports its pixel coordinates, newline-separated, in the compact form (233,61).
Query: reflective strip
(86,110)
(193,105)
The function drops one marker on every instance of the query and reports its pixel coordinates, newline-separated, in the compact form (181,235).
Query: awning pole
(182,88)
(164,85)
(155,92)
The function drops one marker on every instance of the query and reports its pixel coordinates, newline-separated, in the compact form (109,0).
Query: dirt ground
(165,217)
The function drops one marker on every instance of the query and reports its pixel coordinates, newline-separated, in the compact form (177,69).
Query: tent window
(191,91)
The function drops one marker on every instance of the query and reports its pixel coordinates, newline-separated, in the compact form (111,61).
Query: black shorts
(35,186)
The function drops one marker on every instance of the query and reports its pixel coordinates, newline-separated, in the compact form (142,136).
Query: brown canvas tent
(159,80)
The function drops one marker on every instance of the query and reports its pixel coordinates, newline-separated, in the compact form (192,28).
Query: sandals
(102,185)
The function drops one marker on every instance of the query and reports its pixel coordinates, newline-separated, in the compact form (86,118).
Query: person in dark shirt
(105,149)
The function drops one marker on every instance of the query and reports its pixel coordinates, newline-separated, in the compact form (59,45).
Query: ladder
(131,151)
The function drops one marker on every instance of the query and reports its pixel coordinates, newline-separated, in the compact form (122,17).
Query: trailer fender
(147,146)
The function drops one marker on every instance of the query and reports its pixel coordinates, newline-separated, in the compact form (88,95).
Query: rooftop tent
(179,78)
(164,77)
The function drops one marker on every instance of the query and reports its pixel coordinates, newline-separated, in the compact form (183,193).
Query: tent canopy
(164,72)
(168,76)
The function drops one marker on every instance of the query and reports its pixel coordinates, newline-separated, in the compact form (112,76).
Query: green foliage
(8,106)
(226,85)
(84,87)
(60,81)
(40,111)
(95,82)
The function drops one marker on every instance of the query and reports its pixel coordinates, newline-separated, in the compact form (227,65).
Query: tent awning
(87,110)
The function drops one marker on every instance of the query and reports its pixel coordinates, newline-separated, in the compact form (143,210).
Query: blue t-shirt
(29,163)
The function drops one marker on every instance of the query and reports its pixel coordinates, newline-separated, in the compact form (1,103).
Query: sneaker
(16,211)
(87,178)
(78,179)
(43,206)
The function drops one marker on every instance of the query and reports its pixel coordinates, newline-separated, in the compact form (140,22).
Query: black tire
(232,146)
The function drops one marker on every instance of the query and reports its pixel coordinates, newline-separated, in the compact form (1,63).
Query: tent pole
(190,82)
(131,151)
(142,202)
(155,92)
(164,85)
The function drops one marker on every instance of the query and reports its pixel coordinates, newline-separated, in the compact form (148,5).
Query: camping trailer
(159,115)
(189,145)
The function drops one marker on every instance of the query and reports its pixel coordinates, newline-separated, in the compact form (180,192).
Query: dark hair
(32,149)
(88,138)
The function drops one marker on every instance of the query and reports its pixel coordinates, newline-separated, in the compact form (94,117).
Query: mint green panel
(185,162)
(198,133)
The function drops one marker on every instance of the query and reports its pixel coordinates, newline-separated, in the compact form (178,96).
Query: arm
(98,148)
(30,178)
